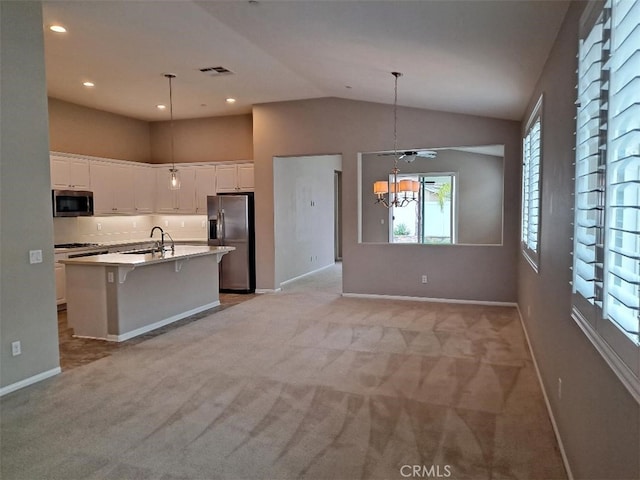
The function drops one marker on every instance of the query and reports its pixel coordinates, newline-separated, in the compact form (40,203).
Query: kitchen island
(117,296)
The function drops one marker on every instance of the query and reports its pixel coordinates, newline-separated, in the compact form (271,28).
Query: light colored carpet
(300,384)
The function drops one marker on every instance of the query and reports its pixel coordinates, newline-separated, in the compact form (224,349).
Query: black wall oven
(72,203)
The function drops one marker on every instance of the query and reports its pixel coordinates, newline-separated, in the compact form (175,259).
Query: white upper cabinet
(176,201)
(70,173)
(113,188)
(144,181)
(128,188)
(234,178)
(205,186)
(245,177)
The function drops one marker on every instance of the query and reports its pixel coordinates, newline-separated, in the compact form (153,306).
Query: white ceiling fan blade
(427,153)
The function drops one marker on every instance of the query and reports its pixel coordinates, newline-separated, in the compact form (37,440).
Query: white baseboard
(29,381)
(428,299)
(556,431)
(268,290)
(306,274)
(161,323)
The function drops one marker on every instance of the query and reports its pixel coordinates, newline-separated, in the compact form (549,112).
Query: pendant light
(398,194)
(174,178)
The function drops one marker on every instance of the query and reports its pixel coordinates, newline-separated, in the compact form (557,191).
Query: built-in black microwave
(72,203)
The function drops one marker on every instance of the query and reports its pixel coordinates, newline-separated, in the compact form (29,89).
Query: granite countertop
(141,259)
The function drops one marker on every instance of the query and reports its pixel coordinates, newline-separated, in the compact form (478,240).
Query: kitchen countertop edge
(182,252)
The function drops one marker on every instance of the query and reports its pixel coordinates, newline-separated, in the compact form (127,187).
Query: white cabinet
(126,188)
(205,186)
(245,177)
(176,201)
(70,173)
(234,178)
(144,182)
(113,188)
(61,295)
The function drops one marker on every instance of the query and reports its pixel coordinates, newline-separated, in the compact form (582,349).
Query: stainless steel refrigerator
(231,223)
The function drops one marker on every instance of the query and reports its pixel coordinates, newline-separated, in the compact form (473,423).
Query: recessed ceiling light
(58,29)
(231,100)
(89,84)
(161,107)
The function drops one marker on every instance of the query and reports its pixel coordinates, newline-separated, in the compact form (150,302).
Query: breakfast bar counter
(117,296)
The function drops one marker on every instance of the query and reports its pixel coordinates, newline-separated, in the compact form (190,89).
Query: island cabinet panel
(69,173)
(182,200)
(117,296)
(113,188)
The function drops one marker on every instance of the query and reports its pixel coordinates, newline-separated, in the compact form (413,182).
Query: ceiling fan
(410,155)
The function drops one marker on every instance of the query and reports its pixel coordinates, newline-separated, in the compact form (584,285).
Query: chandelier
(394,193)
(174,179)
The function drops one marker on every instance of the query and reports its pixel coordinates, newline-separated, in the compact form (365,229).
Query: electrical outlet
(110,277)
(424,279)
(98,226)
(166,223)
(182,224)
(382,221)
(559,388)
(16,348)
(35,256)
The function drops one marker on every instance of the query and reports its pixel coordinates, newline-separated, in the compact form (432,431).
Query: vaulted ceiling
(467,56)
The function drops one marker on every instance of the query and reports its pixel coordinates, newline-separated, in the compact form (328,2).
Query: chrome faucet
(161,245)
(173,245)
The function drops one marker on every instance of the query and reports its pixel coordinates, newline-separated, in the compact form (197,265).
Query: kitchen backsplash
(125,228)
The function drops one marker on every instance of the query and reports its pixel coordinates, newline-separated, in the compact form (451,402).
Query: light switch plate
(35,256)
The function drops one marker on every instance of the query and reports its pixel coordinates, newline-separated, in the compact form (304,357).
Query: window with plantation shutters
(530,215)
(606,255)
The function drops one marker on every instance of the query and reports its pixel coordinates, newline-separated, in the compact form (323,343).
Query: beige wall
(599,421)
(27,292)
(304,214)
(86,131)
(478,201)
(203,140)
(321,126)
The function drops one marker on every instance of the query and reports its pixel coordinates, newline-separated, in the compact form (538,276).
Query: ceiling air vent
(216,71)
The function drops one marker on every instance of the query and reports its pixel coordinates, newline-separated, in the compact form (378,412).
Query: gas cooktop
(75,245)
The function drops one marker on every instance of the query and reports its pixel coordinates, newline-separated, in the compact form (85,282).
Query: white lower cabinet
(61,291)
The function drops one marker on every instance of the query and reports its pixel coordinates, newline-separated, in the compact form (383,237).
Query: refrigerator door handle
(221,227)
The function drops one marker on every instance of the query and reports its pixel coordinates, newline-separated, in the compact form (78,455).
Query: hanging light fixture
(174,178)
(394,193)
